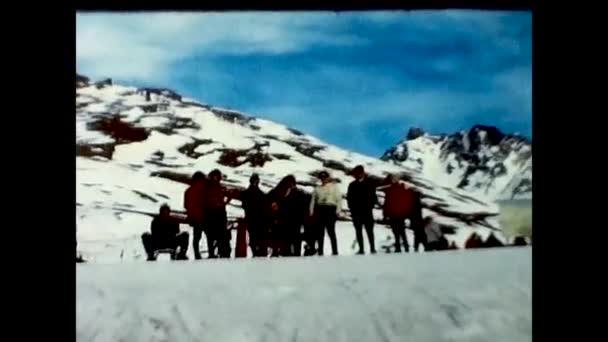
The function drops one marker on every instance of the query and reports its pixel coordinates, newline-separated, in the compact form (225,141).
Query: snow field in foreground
(481,295)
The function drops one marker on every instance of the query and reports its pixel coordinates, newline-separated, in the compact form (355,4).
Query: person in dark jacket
(195,210)
(288,217)
(417,223)
(292,214)
(275,234)
(398,206)
(216,220)
(361,198)
(310,229)
(254,202)
(164,233)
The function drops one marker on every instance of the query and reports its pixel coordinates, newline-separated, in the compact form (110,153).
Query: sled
(169,251)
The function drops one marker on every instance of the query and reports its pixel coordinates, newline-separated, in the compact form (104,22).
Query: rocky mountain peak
(482,159)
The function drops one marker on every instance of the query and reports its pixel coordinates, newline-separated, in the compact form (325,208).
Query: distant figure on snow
(164,233)
(474,241)
(492,241)
(362,198)
(326,207)
(254,203)
(195,209)
(398,206)
(520,241)
(79,258)
(216,219)
(417,223)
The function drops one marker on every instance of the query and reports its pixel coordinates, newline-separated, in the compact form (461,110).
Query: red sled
(241,240)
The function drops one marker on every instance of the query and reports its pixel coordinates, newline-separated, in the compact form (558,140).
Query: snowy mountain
(482,160)
(137,148)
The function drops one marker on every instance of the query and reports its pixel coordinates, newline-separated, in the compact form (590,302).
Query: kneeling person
(164,234)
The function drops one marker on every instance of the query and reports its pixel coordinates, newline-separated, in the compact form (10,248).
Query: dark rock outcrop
(121,131)
(189,148)
(231,116)
(236,158)
(103,83)
(414,133)
(168,93)
(92,150)
(295,132)
(82,81)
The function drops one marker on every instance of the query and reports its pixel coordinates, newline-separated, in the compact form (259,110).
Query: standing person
(292,214)
(417,223)
(254,202)
(326,205)
(275,232)
(78,257)
(287,217)
(215,215)
(434,235)
(195,209)
(164,233)
(362,198)
(398,205)
(274,241)
(310,228)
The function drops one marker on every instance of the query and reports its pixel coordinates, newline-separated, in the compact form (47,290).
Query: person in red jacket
(195,209)
(216,220)
(474,241)
(398,205)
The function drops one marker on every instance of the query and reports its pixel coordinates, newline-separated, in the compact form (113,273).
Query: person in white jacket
(434,235)
(325,207)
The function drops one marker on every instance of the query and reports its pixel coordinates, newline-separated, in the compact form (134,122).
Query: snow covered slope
(482,160)
(137,148)
(481,295)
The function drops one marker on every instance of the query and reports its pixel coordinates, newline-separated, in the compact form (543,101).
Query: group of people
(279,222)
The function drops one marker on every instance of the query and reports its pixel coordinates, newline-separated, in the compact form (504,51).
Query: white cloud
(147,47)
(143,46)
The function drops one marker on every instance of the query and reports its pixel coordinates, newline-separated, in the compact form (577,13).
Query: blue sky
(359,80)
